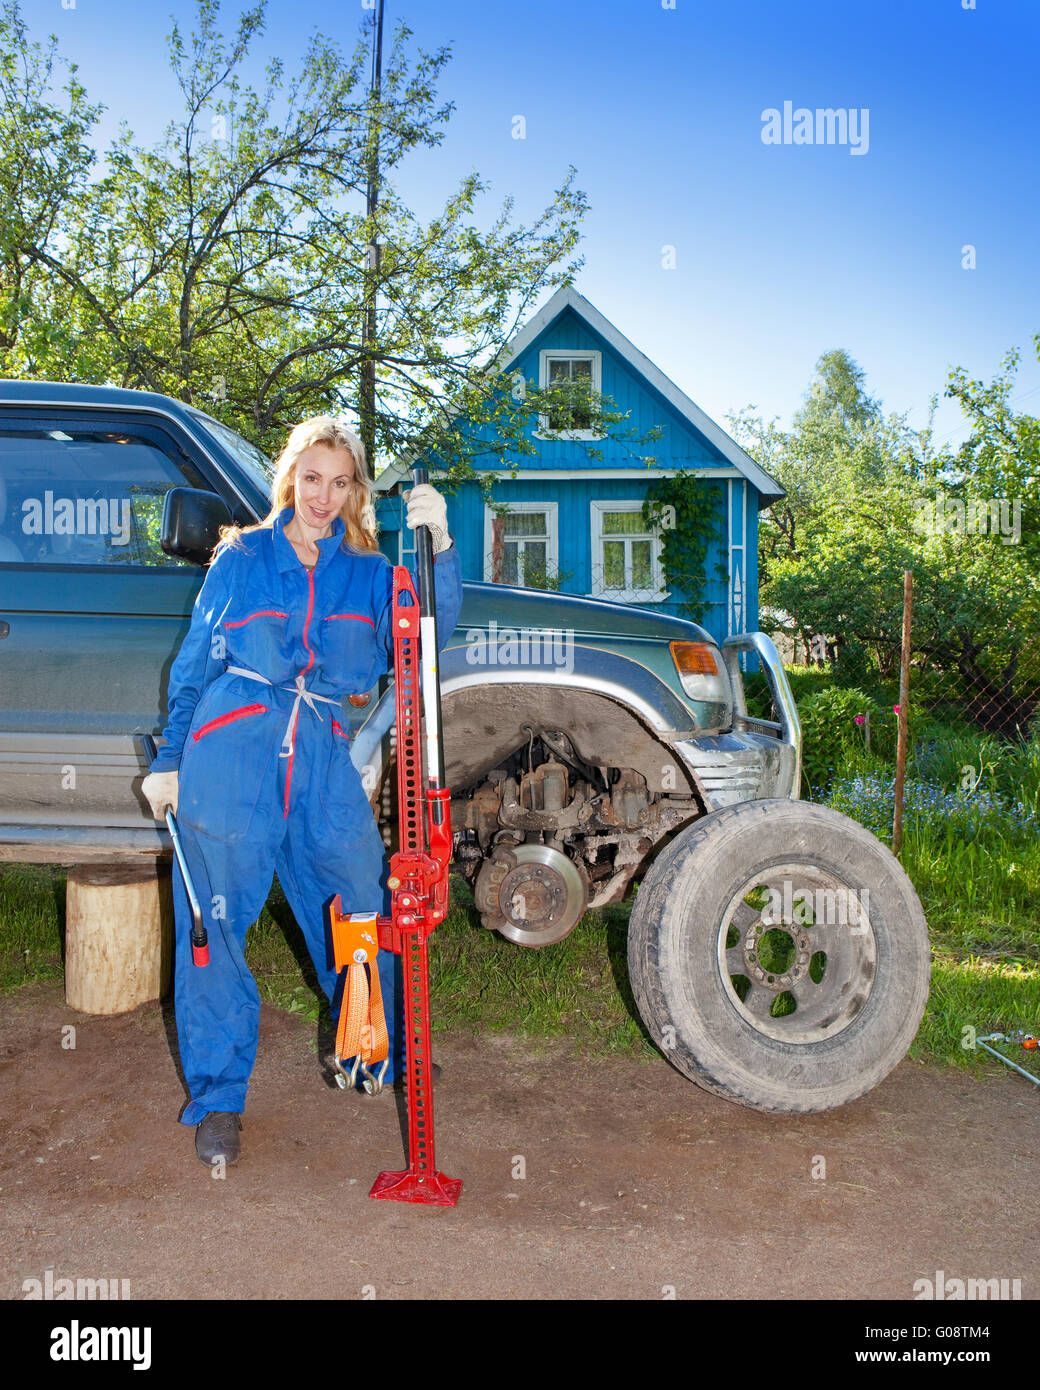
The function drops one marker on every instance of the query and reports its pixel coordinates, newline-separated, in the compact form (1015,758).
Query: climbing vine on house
(688,512)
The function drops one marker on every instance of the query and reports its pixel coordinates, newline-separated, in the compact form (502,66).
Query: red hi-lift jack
(418,879)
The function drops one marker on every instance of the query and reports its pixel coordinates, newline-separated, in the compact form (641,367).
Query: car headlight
(702,671)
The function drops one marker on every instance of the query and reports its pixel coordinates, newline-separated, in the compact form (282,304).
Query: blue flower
(926,805)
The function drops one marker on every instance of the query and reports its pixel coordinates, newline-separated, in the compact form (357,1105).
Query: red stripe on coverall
(335,617)
(310,663)
(228,719)
(264,613)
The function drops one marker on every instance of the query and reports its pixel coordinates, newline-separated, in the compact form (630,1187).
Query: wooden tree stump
(118,936)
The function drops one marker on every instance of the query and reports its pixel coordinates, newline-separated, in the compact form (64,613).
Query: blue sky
(781,251)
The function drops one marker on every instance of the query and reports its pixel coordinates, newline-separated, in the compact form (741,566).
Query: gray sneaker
(217,1137)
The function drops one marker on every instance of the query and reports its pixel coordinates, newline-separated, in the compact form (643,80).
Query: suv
(588,745)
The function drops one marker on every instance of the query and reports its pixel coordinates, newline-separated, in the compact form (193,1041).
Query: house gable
(574,505)
(679,446)
(689,438)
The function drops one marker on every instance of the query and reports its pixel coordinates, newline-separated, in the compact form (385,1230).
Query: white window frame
(578,355)
(659,594)
(552,548)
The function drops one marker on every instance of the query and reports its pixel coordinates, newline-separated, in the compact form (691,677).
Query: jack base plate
(433,1189)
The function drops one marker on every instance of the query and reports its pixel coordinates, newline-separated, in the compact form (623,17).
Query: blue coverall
(266,778)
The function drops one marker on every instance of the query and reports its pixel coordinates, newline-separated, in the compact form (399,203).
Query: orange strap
(362,1022)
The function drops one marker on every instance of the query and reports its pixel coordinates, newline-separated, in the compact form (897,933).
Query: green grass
(983,995)
(32,925)
(979,898)
(577,988)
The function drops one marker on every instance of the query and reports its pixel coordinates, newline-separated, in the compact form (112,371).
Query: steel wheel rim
(786,895)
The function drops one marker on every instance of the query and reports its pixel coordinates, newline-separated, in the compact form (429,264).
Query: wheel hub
(534,895)
(770,979)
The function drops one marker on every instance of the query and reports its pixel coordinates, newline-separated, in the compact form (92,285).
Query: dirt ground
(637,1182)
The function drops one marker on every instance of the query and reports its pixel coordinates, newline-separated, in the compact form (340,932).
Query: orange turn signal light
(694,658)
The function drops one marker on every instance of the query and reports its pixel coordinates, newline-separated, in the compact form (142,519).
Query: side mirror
(191,523)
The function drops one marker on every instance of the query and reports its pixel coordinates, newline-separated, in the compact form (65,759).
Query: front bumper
(758,758)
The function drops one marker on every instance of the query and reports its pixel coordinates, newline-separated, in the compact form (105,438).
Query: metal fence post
(904,695)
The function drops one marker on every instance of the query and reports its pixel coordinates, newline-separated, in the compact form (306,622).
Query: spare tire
(779,956)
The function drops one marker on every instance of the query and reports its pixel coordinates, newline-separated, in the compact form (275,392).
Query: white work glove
(160,789)
(426,507)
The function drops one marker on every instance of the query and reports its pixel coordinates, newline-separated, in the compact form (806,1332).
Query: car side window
(76,492)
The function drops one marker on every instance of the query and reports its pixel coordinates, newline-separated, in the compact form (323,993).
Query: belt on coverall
(302,693)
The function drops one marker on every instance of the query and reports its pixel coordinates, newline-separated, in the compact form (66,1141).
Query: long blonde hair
(357,513)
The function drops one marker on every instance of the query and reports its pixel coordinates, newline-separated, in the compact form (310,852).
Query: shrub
(829,731)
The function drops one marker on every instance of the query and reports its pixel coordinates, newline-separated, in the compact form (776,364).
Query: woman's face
(321,484)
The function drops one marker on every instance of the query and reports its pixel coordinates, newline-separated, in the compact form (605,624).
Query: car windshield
(256,464)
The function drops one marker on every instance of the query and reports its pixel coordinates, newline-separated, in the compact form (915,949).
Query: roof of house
(567,297)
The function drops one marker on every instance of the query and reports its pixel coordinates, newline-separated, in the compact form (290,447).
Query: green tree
(228,264)
(45,165)
(1001,456)
(869,498)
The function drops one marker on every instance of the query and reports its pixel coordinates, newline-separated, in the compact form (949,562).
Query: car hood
(535,608)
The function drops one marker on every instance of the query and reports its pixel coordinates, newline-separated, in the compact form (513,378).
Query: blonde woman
(293,617)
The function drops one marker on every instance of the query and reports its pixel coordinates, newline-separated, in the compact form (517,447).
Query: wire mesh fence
(983,673)
(972,709)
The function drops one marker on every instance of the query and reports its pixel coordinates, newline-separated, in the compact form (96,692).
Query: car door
(92,613)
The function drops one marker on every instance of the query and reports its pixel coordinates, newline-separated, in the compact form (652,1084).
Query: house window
(582,370)
(523,550)
(626,554)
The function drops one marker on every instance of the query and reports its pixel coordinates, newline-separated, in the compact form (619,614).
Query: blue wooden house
(576,518)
